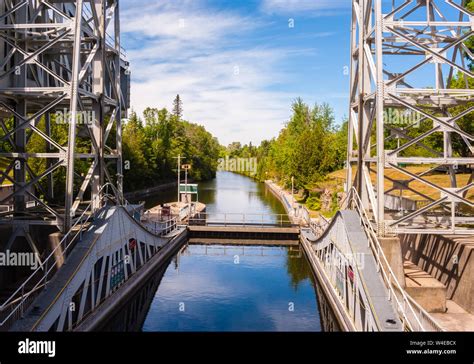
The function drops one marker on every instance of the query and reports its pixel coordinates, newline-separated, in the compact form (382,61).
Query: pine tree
(177,107)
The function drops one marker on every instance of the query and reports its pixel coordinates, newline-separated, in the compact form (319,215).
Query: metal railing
(281,193)
(298,211)
(7,318)
(241,219)
(6,208)
(241,250)
(335,256)
(23,296)
(109,40)
(11,207)
(160,224)
(136,262)
(319,226)
(411,313)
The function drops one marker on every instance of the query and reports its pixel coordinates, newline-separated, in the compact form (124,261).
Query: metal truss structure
(411,115)
(61,68)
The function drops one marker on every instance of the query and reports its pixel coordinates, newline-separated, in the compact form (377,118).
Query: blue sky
(237,65)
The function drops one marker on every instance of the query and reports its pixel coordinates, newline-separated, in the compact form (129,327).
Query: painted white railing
(109,40)
(159,224)
(6,208)
(413,316)
(11,207)
(333,258)
(241,219)
(19,300)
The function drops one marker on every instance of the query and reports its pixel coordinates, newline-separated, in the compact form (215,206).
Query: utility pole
(179,172)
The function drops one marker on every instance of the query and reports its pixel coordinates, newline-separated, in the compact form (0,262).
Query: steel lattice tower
(409,60)
(59,60)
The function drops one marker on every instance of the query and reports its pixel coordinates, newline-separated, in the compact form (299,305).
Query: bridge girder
(62,101)
(410,84)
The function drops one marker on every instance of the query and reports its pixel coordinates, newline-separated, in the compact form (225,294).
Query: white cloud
(224,84)
(183,25)
(292,6)
(231,106)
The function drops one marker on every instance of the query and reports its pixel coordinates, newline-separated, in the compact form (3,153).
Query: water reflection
(228,192)
(228,288)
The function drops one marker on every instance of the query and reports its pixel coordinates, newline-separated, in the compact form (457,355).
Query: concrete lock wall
(449,259)
(392,250)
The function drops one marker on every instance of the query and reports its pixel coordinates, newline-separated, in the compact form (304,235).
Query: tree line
(308,148)
(152,142)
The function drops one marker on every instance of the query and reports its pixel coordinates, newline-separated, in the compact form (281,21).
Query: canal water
(228,192)
(234,288)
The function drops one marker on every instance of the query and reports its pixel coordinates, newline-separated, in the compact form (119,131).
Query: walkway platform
(370,282)
(59,282)
(244,232)
(104,242)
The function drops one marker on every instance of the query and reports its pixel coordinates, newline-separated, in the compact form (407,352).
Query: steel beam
(61,60)
(405,55)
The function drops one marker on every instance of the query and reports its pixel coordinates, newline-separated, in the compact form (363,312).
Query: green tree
(178,107)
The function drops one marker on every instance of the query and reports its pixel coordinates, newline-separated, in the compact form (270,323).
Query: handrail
(77,269)
(342,250)
(6,208)
(281,193)
(11,303)
(88,13)
(81,220)
(244,219)
(405,304)
(170,225)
